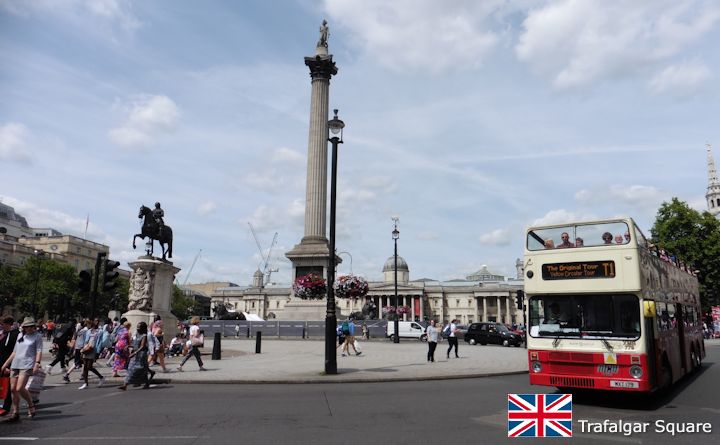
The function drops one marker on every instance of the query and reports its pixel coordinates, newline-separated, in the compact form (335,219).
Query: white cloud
(428,236)
(560,216)
(14,143)
(288,155)
(417,34)
(41,217)
(680,79)
(498,237)
(577,42)
(147,118)
(207,208)
(633,195)
(78,11)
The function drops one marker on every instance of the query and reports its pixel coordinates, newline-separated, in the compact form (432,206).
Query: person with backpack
(61,338)
(348,328)
(451,330)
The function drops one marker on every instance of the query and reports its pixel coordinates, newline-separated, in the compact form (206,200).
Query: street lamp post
(336,129)
(395,236)
(350,256)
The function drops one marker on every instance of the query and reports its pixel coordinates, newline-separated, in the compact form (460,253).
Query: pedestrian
(365,332)
(349,331)
(50,329)
(196,340)
(122,349)
(432,332)
(452,331)
(138,370)
(237,331)
(157,336)
(75,346)
(90,350)
(8,337)
(340,336)
(61,339)
(22,363)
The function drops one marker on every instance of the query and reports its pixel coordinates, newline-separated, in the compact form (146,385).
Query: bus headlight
(636,371)
(536,367)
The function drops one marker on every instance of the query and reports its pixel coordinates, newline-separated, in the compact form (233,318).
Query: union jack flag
(539,415)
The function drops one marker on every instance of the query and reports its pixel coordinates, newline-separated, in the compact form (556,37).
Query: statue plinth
(151,291)
(306,310)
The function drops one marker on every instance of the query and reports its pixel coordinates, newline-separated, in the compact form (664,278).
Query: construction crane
(187,277)
(264,265)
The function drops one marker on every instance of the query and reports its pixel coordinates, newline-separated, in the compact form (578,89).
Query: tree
(183,307)
(694,238)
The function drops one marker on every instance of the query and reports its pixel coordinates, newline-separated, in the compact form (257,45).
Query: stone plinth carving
(151,290)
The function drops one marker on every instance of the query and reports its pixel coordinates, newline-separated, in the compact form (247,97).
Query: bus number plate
(607,369)
(623,384)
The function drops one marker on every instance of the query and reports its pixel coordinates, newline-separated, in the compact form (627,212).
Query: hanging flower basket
(390,310)
(310,287)
(350,286)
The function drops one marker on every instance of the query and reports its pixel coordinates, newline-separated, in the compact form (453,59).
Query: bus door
(649,324)
(679,319)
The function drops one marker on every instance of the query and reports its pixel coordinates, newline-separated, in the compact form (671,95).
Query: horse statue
(156,232)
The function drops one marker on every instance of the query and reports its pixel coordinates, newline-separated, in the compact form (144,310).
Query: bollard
(248,332)
(258,341)
(216,347)
(303,333)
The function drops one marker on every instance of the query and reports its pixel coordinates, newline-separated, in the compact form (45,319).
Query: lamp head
(336,125)
(395,234)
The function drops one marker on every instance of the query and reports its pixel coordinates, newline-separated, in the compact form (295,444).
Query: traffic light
(85,280)
(520,299)
(109,275)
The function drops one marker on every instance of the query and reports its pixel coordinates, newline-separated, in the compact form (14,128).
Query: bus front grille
(575,382)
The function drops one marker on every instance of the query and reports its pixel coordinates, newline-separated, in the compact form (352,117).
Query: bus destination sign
(579,270)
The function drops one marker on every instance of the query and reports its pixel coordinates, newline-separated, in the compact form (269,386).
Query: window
(457,302)
(470,302)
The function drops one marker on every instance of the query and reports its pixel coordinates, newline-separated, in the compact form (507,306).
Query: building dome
(258,274)
(390,264)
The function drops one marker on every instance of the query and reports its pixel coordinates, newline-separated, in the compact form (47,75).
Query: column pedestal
(151,290)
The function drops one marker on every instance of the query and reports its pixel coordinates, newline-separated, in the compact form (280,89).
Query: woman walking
(196,340)
(90,351)
(138,369)
(158,353)
(122,349)
(22,363)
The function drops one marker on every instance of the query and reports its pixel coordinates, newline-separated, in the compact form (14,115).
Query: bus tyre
(665,376)
(695,358)
(472,341)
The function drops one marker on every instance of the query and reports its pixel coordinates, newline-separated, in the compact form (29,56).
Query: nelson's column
(313,253)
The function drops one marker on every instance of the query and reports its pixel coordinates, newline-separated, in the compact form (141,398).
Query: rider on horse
(158,214)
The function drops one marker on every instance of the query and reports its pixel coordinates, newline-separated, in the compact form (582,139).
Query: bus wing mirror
(649,310)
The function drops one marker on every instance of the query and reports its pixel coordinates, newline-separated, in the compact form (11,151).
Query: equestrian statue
(154,228)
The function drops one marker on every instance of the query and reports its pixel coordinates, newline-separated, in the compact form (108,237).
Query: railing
(283,328)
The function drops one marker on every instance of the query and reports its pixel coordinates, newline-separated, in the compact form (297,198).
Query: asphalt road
(457,411)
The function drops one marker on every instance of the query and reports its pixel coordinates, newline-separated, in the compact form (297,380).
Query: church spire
(713,190)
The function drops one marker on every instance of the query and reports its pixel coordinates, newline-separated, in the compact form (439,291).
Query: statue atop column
(324,32)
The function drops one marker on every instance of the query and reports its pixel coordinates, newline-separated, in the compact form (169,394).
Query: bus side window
(672,319)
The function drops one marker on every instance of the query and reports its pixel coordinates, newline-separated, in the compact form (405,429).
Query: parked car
(493,333)
(462,329)
(520,330)
(411,329)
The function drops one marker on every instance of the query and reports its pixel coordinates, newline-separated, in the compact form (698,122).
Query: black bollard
(258,341)
(248,332)
(216,347)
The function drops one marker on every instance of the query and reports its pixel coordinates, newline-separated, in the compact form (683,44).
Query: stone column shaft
(316,185)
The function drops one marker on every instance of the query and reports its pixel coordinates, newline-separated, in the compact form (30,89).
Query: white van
(410,329)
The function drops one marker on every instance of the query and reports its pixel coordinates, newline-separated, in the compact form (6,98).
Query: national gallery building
(482,296)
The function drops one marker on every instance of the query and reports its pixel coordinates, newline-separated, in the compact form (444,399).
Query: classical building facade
(488,299)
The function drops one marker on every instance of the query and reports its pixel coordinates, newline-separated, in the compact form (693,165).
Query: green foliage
(693,237)
(183,307)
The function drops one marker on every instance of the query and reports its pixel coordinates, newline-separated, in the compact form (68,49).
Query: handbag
(87,348)
(36,381)
(4,387)
(197,341)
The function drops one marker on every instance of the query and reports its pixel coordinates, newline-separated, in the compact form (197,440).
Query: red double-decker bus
(607,310)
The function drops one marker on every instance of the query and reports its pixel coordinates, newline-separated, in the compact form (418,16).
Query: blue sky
(467,120)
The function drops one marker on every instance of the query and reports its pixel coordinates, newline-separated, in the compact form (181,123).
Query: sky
(467,120)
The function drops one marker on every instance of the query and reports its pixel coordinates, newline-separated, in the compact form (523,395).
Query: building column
(484,304)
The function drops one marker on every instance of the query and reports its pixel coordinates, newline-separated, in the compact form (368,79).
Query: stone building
(491,298)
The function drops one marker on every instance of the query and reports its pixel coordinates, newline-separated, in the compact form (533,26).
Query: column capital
(321,67)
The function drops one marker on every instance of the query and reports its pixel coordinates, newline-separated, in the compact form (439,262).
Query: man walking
(8,338)
(349,331)
(452,338)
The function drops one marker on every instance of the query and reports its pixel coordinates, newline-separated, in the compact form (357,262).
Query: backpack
(446,331)
(345,328)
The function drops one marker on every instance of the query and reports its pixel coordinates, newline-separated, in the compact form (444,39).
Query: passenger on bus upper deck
(549,244)
(607,237)
(565,241)
(627,237)
(579,242)
(618,239)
